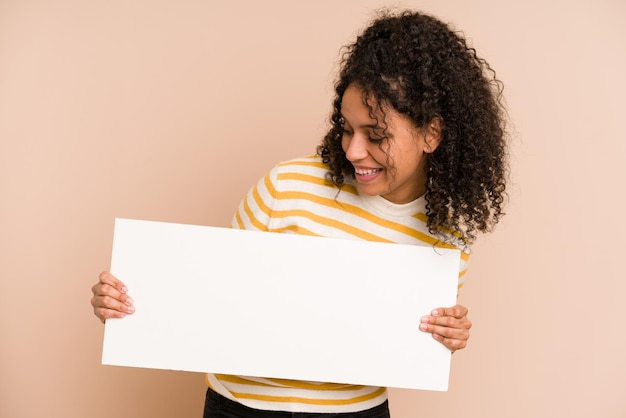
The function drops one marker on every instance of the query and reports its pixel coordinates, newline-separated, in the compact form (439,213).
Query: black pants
(217,406)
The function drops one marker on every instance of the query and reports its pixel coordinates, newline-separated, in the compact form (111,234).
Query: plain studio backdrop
(170,111)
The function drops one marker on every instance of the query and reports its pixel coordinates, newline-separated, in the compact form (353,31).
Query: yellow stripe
(262,206)
(239,220)
(288,383)
(422,217)
(330,222)
(316,163)
(319,181)
(316,386)
(296,229)
(255,222)
(269,186)
(294,399)
(256,196)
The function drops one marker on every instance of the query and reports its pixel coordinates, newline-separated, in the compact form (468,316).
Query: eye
(376,140)
(347,131)
(377,135)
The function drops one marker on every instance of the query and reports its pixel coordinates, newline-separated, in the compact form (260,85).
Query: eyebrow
(370,126)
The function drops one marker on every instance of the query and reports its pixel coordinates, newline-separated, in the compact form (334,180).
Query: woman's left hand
(449,326)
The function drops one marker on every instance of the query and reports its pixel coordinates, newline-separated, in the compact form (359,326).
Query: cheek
(407,155)
(384,154)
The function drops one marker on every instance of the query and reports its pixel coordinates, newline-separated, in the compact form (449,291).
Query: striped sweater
(294,197)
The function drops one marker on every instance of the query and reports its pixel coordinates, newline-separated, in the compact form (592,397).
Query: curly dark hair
(424,70)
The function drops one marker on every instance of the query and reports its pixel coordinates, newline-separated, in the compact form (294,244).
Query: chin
(369,191)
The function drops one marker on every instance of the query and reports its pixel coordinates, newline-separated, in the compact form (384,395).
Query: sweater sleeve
(255,210)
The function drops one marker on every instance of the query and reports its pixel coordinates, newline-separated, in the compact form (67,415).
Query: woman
(415,154)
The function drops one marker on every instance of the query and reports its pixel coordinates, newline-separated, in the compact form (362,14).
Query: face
(393,166)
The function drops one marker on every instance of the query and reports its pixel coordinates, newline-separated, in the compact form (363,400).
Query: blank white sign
(287,306)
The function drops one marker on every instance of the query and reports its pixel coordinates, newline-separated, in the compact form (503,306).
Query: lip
(367,173)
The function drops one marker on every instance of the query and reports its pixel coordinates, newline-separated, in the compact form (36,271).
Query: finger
(107,278)
(105,314)
(447,321)
(451,343)
(111,304)
(457,311)
(446,332)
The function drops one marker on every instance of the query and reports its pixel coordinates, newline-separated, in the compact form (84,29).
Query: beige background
(171,110)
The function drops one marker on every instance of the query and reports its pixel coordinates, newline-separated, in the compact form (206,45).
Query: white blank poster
(287,306)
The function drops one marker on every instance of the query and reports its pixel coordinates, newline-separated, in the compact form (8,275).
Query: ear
(433,134)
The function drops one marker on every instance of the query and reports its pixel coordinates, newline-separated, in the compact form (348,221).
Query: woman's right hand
(110,299)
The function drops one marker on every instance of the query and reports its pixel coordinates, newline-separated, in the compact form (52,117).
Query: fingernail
(129,301)
(435,312)
(423,327)
(425,319)
(124,289)
(130,309)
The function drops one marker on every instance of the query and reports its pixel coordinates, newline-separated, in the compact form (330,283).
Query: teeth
(367,172)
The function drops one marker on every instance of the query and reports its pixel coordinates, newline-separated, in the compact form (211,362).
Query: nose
(355,146)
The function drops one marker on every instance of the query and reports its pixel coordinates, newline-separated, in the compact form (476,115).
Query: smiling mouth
(367,172)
